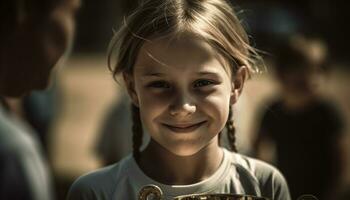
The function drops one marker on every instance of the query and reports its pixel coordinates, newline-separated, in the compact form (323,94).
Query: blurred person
(304,130)
(34,35)
(115,139)
(114,135)
(39,111)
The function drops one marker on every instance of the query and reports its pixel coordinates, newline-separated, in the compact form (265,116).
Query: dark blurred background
(265,20)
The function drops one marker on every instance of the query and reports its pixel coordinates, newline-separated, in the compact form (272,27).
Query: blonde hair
(213,21)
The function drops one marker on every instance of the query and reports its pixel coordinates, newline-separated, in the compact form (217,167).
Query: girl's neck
(168,168)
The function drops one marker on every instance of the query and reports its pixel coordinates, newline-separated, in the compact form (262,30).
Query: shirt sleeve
(96,185)
(14,182)
(272,184)
(280,187)
(81,190)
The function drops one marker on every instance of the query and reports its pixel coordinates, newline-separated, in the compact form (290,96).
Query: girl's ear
(130,86)
(238,83)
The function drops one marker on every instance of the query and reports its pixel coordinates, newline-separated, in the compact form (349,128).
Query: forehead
(184,52)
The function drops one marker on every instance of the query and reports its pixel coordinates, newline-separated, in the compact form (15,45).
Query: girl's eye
(158,84)
(202,83)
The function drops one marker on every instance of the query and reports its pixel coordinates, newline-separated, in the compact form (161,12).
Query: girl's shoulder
(253,166)
(267,178)
(99,183)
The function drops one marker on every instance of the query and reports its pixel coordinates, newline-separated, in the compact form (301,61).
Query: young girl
(184,63)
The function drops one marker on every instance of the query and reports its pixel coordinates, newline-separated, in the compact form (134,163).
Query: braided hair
(231,131)
(137,131)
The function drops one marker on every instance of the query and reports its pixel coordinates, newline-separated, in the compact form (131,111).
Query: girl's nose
(182,107)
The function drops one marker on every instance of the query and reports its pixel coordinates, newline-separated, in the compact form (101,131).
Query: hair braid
(137,131)
(231,131)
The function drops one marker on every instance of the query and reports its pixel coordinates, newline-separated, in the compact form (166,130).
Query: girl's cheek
(216,102)
(215,96)
(157,96)
(153,100)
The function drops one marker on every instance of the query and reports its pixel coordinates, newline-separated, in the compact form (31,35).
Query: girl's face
(183,89)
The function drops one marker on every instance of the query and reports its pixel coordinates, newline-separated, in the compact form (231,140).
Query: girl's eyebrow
(157,74)
(212,73)
(207,73)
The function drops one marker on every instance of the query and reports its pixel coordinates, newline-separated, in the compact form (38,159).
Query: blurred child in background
(304,128)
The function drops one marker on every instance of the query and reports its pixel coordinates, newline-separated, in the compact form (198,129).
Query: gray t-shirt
(237,174)
(23,170)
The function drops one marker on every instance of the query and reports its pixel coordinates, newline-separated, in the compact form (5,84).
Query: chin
(184,150)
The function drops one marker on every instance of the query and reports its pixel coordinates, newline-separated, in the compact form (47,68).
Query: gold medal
(153,192)
(150,192)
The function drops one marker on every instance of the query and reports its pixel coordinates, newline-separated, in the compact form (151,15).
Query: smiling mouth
(184,128)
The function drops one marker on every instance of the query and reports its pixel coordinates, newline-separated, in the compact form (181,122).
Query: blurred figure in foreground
(34,35)
(304,129)
(39,110)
